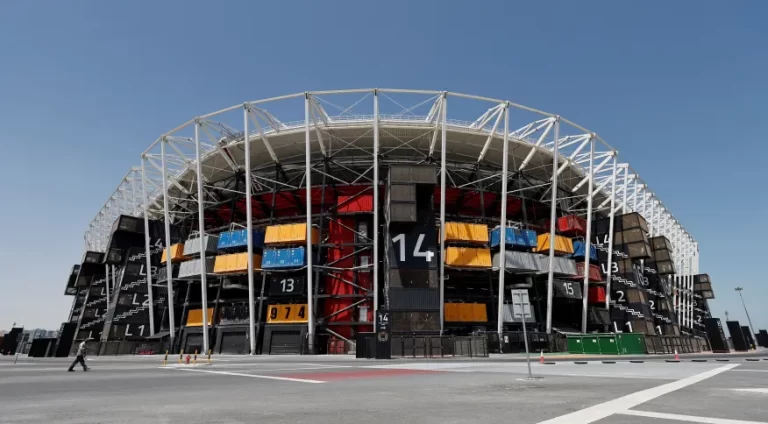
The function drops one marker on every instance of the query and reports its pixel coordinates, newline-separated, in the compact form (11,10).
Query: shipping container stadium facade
(474,219)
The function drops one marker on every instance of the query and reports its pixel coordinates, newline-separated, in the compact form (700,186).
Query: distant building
(27,336)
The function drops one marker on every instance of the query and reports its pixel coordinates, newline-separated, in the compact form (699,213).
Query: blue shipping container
(239,238)
(225,240)
(578,250)
(515,237)
(292,257)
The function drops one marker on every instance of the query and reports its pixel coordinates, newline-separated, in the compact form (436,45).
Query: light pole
(739,289)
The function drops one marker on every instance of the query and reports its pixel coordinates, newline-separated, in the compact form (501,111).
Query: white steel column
(201,230)
(503,225)
(249,233)
(308,253)
(611,219)
(552,226)
(588,240)
(635,206)
(168,265)
(626,188)
(147,250)
(106,283)
(443,158)
(375,258)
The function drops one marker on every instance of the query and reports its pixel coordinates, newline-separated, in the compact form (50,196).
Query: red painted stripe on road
(355,374)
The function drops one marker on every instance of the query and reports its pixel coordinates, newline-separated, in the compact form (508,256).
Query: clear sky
(680,88)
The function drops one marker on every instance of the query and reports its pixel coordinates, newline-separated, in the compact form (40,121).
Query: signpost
(524,314)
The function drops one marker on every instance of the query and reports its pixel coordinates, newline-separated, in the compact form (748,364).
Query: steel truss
(546,158)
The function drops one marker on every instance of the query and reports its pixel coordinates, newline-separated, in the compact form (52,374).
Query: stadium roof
(409,127)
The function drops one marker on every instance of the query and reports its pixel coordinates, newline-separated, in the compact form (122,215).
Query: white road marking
(615,406)
(749,370)
(687,418)
(755,390)
(266,377)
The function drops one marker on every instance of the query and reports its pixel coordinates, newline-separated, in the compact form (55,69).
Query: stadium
(424,223)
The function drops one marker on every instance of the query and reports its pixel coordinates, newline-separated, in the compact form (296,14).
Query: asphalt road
(332,389)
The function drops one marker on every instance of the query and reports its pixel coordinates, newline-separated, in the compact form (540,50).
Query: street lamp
(739,289)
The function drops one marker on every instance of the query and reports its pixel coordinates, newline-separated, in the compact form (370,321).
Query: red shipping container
(596,294)
(359,203)
(595,275)
(572,225)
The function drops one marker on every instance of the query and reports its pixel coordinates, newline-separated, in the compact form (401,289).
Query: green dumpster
(608,344)
(591,344)
(575,343)
(631,343)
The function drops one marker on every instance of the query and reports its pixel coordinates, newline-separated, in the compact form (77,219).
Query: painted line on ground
(363,373)
(752,390)
(749,370)
(622,404)
(265,377)
(687,418)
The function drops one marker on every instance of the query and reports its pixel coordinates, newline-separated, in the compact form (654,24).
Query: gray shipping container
(192,270)
(192,246)
(401,212)
(401,299)
(412,174)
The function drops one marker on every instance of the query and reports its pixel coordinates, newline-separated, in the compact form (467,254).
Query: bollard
(181,356)
(165,360)
(194,361)
(188,358)
(209,356)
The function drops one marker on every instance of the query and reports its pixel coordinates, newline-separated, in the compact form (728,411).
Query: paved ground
(345,390)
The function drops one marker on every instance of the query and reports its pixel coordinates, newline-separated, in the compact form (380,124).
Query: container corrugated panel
(415,322)
(236,262)
(177,253)
(195,317)
(561,266)
(578,250)
(402,193)
(595,274)
(359,203)
(412,278)
(660,242)
(239,238)
(402,212)
(192,269)
(596,294)
(290,233)
(633,235)
(563,245)
(412,174)
(466,312)
(572,225)
(401,299)
(464,231)
(192,246)
(515,238)
(468,257)
(632,220)
(293,257)
(639,250)
(519,261)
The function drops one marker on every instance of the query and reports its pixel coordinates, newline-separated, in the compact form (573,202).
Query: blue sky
(679,89)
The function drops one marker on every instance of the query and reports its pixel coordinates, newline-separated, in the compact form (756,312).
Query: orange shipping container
(464,231)
(195,317)
(563,245)
(177,253)
(235,262)
(468,257)
(290,234)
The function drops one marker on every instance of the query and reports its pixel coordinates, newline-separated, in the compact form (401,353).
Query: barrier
(426,346)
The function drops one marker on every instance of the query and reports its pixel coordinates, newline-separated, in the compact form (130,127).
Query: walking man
(80,358)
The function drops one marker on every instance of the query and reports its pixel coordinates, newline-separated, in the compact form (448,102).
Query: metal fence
(426,346)
(672,344)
